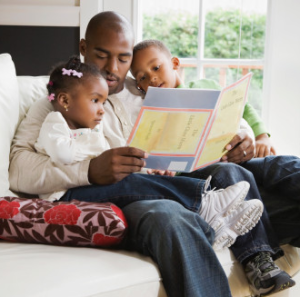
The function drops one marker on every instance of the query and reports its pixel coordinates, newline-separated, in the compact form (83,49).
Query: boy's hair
(60,82)
(151,42)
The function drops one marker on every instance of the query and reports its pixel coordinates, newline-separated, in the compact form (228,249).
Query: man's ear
(176,63)
(82,47)
(63,100)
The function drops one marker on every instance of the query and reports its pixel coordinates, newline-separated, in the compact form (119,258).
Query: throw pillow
(72,223)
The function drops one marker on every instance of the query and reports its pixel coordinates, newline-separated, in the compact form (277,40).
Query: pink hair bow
(78,74)
(71,71)
(51,97)
(67,71)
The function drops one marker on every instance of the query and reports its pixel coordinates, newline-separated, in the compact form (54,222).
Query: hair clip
(51,97)
(78,74)
(71,71)
(67,71)
(50,83)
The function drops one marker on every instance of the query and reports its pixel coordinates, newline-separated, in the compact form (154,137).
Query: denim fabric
(278,180)
(178,239)
(137,187)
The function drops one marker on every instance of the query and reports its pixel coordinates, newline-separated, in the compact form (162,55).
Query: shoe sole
(288,283)
(237,202)
(244,221)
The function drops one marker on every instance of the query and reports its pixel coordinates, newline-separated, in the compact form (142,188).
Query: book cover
(186,129)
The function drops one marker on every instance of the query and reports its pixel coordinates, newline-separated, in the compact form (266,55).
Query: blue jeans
(176,237)
(278,181)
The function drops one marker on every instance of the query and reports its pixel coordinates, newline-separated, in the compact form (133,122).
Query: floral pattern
(72,223)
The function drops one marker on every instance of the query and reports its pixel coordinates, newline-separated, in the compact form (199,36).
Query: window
(217,39)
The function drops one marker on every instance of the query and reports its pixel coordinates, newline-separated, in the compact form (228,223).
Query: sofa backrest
(9,116)
(16,96)
(31,89)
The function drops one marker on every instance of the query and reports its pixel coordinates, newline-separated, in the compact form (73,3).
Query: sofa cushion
(9,115)
(72,223)
(31,89)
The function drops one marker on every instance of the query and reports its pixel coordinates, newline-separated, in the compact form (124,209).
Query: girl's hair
(65,76)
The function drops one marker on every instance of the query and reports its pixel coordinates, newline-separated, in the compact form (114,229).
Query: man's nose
(112,65)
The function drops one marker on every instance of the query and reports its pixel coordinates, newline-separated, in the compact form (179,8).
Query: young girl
(74,132)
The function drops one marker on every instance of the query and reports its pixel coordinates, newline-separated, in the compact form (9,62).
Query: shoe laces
(264,262)
(207,192)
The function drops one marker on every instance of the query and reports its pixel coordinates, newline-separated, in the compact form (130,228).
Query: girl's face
(85,103)
(153,67)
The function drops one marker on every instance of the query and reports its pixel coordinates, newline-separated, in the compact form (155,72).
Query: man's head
(153,65)
(108,44)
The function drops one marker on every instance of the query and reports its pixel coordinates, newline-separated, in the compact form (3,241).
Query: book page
(169,131)
(226,124)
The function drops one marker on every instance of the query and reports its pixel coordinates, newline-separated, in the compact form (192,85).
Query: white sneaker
(239,222)
(221,203)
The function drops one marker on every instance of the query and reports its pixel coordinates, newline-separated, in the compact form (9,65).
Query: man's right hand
(115,164)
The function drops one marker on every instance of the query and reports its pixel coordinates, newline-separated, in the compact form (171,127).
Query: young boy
(153,65)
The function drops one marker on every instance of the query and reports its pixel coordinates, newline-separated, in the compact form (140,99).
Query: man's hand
(161,172)
(263,146)
(240,148)
(115,164)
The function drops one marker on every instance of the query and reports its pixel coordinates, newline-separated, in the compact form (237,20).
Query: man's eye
(101,57)
(123,60)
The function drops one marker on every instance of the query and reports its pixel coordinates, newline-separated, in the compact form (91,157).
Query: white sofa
(38,270)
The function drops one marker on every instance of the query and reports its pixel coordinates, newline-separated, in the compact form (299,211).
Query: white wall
(282,76)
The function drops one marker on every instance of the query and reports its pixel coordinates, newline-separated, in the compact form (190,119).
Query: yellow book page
(168,132)
(226,123)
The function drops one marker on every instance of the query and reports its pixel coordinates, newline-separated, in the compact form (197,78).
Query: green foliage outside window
(179,31)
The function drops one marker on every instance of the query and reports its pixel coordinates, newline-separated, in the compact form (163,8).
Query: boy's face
(111,52)
(85,104)
(153,67)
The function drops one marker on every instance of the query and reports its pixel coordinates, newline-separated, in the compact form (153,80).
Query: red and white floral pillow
(73,223)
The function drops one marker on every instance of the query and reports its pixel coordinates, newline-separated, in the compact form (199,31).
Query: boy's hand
(161,172)
(264,146)
(115,164)
(240,148)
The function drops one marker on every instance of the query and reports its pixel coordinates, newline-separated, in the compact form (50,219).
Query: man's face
(111,52)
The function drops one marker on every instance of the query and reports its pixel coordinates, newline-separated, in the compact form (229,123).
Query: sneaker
(265,277)
(223,202)
(239,222)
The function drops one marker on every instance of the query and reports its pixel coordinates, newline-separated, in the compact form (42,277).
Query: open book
(186,129)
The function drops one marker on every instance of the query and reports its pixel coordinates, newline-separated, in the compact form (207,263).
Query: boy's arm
(263,145)
(34,173)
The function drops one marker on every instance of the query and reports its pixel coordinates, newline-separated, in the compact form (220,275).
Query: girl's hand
(161,172)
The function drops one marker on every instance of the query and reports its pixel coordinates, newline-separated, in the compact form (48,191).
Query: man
(177,239)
